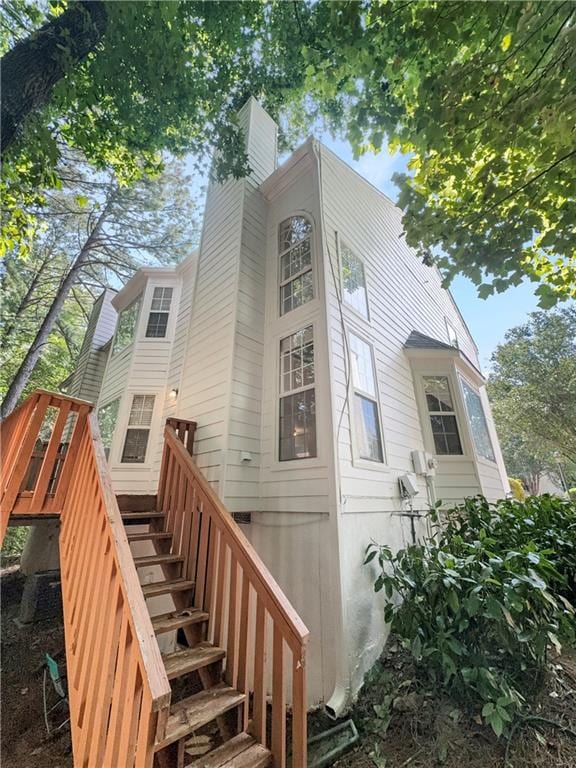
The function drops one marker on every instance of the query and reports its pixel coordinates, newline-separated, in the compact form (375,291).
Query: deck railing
(244,602)
(39,441)
(118,689)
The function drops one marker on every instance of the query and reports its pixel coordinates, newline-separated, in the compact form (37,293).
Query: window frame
(340,244)
(457,412)
(479,457)
(167,312)
(283,394)
(280,282)
(353,390)
(137,300)
(119,463)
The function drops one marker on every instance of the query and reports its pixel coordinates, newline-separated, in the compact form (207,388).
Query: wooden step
(166,587)
(142,562)
(141,517)
(240,752)
(190,659)
(171,621)
(197,711)
(149,536)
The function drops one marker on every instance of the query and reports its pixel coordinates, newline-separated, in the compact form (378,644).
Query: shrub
(479,604)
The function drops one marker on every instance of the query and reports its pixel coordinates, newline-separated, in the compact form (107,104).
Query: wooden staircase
(237,647)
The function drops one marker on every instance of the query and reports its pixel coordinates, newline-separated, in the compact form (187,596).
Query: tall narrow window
(107,418)
(353,281)
(159,313)
(367,421)
(298,396)
(138,432)
(478,423)
(295,250)
(126,327)
(442,416)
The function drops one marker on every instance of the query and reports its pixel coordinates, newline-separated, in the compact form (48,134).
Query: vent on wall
(242,518)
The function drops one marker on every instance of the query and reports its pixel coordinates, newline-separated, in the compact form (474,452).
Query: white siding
(89,372)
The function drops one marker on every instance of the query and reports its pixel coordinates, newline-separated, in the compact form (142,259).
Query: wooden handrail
(118,688)
(185,431)
(234,586)
(32,482)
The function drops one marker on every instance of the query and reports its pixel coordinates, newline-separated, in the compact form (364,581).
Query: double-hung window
(442,414)
(353,281)
(297,428)
(366,418)
(295,251)
(126,327)
(138,432)
(159,313)
(107,418)
(478,423)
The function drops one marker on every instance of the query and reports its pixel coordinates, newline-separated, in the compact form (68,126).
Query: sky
(487,319)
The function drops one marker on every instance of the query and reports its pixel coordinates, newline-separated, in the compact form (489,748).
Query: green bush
(480,604)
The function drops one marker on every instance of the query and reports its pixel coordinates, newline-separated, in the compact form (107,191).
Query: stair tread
(242,751)
(197,711)
(149,535)
(145,560)
(171,621)
(141,515)
(189,660)
(164,587)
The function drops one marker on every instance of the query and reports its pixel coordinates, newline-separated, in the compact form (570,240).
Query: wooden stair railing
(243,601)
(119,691)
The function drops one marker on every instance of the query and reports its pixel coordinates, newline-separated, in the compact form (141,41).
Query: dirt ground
(424,731)
(25,742)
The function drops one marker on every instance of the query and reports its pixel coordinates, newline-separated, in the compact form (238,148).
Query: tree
(481,96)
(532,388)
(123,81)
(95,233)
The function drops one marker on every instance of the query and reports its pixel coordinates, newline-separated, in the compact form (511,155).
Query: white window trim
(322,399)
(172,315)
(280,283)
(477,456)
(468,453)
(167,312)
(116,449)
(357,460)
(100,407)
(363,318)
(297,391)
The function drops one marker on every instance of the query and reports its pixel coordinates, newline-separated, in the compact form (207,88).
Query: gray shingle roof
(420,341)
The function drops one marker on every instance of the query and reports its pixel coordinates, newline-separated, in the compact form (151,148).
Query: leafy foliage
(479,605)
(480,95)
(532,389)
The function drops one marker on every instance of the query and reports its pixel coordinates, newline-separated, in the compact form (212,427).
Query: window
(107,418)
(367,422)
(295,250)
(159,313)
(298,401)
(126,327)
(442,416)
(138,430)
(452,335)
(478,424)
(353,281)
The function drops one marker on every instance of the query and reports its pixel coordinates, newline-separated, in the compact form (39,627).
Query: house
(335,386)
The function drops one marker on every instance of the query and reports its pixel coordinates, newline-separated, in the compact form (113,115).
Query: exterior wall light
(173,394)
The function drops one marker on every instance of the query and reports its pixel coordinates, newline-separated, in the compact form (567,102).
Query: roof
(421,341)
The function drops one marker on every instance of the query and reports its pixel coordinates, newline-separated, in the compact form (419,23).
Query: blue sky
(488,319)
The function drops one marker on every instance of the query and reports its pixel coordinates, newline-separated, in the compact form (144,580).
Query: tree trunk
(33,355)
(32,68)
(25,301)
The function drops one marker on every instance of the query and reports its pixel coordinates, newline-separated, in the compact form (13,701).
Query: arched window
(295,251)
